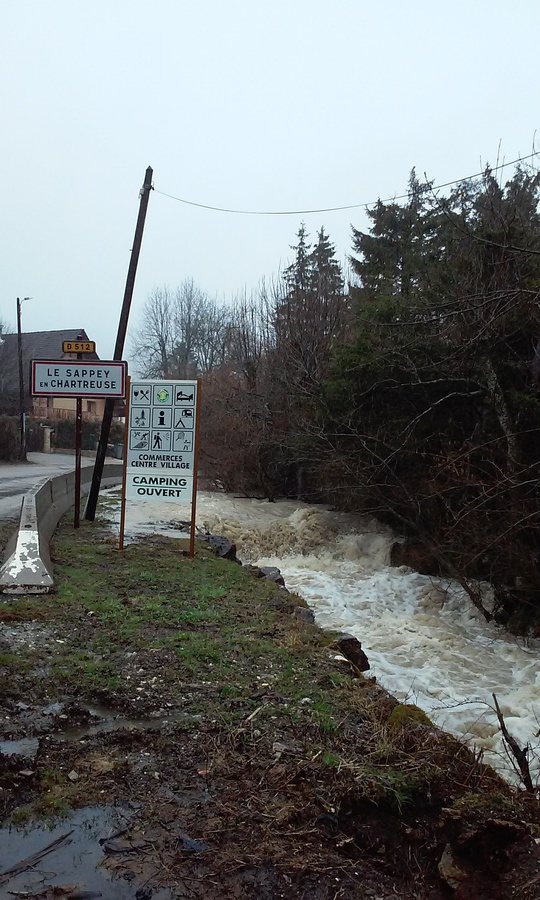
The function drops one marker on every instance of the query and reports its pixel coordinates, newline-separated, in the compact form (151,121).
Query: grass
(197,614)
(264,711)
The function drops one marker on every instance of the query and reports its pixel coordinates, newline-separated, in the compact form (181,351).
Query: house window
(91,406)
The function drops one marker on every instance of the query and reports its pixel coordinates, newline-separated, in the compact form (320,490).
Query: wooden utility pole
(91,504)
(78,460)
(22,447)
(22,414)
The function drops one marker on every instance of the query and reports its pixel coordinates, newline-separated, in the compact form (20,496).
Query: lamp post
(22,451)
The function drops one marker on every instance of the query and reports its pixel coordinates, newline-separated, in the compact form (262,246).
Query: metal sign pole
(125,460)
(195,472)
(78,454)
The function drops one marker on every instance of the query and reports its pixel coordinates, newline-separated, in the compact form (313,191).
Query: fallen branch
(31,861)
(519,754)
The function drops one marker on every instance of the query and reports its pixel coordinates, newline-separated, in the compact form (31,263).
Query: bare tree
(250,336)
(210,337)
(153,340)
(6,360)
(182,333)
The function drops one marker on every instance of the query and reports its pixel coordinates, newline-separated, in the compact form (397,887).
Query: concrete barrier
(27,568)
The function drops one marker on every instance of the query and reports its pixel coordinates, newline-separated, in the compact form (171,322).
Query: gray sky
(249,104)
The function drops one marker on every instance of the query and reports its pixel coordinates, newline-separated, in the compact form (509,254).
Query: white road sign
(77,378)
(146,486)
(161,439)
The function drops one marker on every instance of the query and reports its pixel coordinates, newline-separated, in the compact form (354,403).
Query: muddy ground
(177,729)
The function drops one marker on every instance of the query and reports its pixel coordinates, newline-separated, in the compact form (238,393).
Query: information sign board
(98,378)
(161,440)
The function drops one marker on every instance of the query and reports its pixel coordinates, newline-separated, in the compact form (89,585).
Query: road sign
(161,441)
(78,346)
(161,428)
(147,486)
(98,378)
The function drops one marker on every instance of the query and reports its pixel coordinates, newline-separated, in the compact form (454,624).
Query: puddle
(75,722)
(82,843)
(102,721)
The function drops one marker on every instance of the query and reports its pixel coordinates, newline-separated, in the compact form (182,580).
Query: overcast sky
(244,104)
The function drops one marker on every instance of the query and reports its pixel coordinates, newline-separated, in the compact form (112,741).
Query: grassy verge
(232,720)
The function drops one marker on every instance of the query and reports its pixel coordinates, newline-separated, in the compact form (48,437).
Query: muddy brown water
(77,860)
(86,837)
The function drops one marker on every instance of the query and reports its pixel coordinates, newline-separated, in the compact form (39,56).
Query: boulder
(222,546)
(305,614)
(352,649)
(272,573)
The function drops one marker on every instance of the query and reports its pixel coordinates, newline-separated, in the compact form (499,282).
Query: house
(41,345)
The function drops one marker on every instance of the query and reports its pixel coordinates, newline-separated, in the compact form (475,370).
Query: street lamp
(22,451)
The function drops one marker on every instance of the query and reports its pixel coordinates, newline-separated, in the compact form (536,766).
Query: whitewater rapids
(425,641)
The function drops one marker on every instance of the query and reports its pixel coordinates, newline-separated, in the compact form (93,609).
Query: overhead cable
(306,212)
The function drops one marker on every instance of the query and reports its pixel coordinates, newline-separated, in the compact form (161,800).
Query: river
(426,642)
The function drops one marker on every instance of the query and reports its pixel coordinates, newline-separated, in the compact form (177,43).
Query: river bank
(221,747)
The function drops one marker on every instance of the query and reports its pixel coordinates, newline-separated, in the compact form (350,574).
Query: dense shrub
(63,434)
(9,438)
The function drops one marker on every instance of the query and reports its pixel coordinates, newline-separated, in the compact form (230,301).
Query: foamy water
(425,641)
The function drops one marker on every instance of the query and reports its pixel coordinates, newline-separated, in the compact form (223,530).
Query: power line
(306,212)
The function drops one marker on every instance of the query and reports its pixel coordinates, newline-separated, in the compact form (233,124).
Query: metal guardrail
(27,568)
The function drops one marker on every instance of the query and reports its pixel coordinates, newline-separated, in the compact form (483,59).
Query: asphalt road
(18,478)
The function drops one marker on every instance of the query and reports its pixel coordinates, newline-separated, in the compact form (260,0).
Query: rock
(272,573)
(221,546)
(352,649)
(305,614)
(449,871)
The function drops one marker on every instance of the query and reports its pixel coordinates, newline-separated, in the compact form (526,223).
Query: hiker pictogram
(161,440)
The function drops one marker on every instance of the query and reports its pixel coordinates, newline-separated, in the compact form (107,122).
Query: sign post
(79,348)
(162,444)
(76,378)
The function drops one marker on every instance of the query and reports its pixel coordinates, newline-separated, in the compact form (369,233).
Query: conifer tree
(310,314)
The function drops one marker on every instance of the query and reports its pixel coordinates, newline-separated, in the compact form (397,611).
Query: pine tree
(311,313)
(392,258)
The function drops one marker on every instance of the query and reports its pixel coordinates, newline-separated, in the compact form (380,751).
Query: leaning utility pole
(93,494)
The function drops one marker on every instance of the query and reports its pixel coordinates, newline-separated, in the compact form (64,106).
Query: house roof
(35,345)
(45,344)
